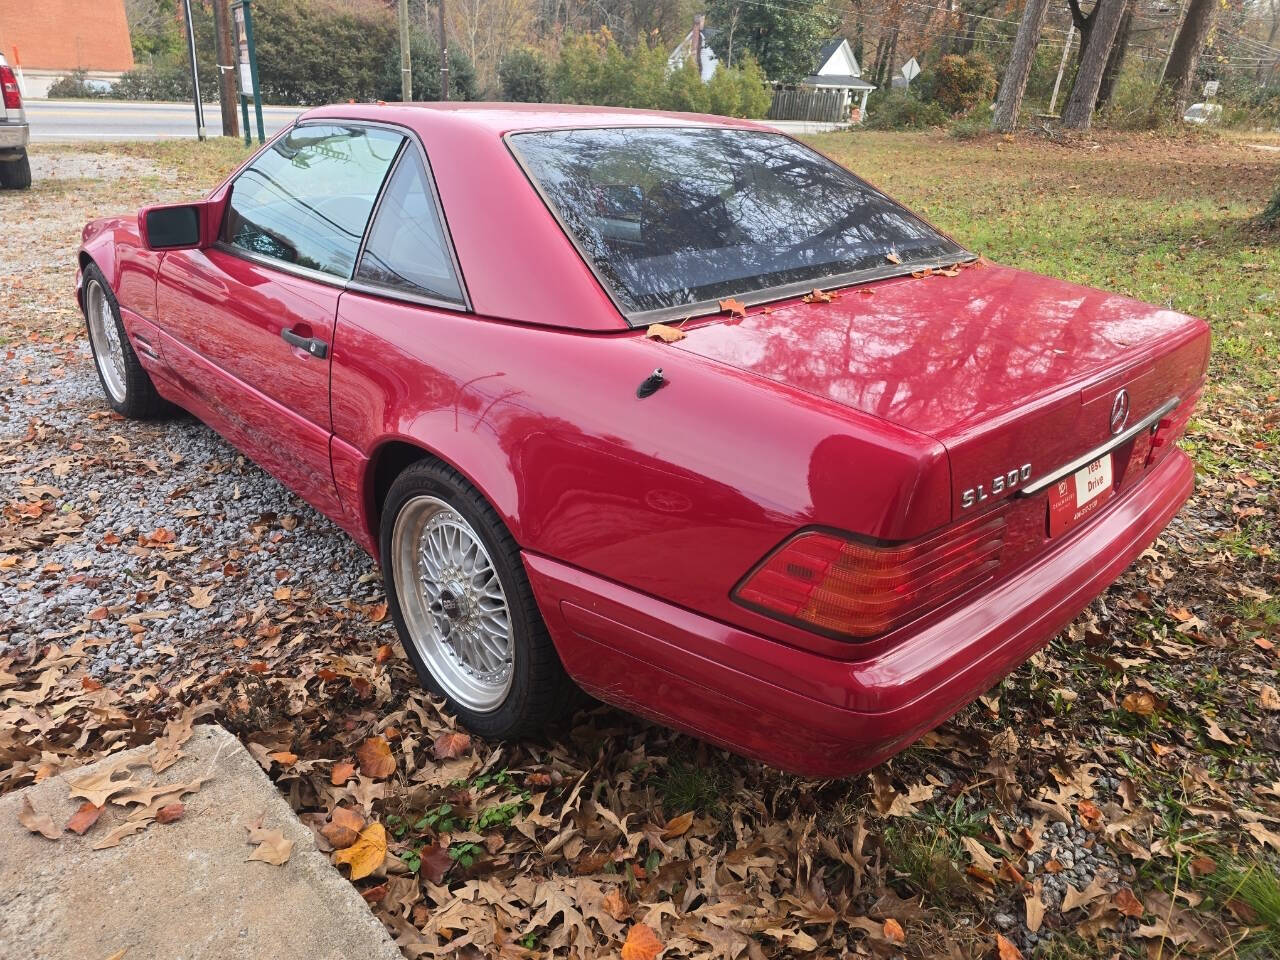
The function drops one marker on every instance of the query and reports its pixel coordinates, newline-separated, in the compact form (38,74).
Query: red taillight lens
(1170,428)
(840,586)
(9,83)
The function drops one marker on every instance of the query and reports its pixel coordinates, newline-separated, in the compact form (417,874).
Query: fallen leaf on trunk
(84,818)
(449,746)
(375,758)
(366,854)
(641,943)
(40,823)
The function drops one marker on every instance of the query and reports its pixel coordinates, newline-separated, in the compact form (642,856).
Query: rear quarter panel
(677,495)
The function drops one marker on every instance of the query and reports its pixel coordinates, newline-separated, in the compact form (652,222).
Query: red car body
(877,414)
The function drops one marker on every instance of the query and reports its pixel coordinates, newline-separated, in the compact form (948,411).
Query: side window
(306,200)
(407,248)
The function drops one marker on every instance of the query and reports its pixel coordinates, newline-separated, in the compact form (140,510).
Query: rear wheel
(16,174)
(460,598)
(127,385)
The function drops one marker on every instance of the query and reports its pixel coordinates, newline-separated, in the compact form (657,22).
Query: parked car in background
(670,406)
(15,168)
(1203,113)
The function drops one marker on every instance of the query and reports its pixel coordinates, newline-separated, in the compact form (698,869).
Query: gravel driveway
(158,534)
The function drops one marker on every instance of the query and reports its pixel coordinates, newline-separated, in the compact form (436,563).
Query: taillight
(1170,428)
(841,586)
(9,83)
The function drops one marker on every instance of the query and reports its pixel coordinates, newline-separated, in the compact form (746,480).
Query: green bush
(961,83)
(74,86)
(168,81)
(754,95)
(686,91)
(424,63)
(972,125)
(1136,102)
(898,110)
(524,77)
(1271,215)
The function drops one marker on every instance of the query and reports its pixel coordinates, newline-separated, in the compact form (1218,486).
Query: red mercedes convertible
(668,406)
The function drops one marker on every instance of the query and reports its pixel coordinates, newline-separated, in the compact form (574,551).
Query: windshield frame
(700,308)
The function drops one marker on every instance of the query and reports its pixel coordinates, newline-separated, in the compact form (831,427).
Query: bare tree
(1014,84)
(1187,46)
(1078,113)
(1118,50)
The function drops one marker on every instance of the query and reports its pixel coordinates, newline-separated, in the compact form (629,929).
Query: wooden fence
(792,103)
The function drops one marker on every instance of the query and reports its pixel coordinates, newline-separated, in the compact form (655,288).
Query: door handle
(313,345)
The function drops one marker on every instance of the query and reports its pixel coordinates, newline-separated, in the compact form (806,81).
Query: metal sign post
(195,74)
(247,68)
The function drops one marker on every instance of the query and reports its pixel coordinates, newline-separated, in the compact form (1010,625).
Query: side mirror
(177,226)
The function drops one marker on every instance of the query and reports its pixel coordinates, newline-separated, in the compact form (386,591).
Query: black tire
(140,401)
(541,694)
(16,174)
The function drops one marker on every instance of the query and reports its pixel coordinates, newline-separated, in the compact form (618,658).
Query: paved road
(71,120)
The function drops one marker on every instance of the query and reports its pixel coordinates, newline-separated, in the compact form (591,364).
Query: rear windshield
(674,217)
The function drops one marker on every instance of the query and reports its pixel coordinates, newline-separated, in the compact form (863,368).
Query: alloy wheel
(105,338)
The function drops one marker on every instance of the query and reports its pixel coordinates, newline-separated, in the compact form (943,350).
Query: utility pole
(697,43)
(195,75)
(444,57)
(1062,65)
(406,71)
(226,70)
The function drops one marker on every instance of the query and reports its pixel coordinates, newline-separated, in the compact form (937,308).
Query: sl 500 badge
(999,484)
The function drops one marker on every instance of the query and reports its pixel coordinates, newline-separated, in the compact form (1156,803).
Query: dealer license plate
(1073,498)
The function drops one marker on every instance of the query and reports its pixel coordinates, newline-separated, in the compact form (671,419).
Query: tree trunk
(1078,113)
(892,58)
(1014,84)
(1181,72)
(1115,62)
(1084,24)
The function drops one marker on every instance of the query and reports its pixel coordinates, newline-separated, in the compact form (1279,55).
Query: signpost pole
(195,74)
(253,70)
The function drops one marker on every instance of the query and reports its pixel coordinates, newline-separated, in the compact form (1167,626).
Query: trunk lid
(1004,368)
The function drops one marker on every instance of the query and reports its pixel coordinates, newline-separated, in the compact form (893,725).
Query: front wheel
(127,385)
(458,593)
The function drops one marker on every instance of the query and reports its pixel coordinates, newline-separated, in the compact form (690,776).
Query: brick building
(55,37)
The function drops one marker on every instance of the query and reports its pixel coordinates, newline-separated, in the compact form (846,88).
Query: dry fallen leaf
(98,787)
(451,745)
(1005,948)
(616,905)
(818,296)
(375,758)
(343,828)
(40,823)
(1143,704)
(170,812)
(665,333)
(366,854)
(1035,908)
(1270,699)
(272,846)
(116,834)
(892,256)
(677,826)
(201,597)
(1127,903)
(733,307)
(84,818)
(342,772)
(641,943)
(893,931)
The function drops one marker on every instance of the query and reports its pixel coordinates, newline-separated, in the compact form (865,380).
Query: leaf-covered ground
(1119,795)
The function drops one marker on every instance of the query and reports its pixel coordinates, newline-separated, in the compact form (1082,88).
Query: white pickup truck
(15,169)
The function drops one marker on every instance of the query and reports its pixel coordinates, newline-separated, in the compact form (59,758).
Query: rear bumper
(13,136)
(820,716)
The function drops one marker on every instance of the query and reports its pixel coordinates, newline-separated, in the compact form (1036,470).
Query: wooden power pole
(226,68)
(444,57)
(406,70)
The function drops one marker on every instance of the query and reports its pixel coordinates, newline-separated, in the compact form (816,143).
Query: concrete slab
(179,891)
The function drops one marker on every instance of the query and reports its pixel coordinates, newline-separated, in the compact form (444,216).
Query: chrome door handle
(313,345)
